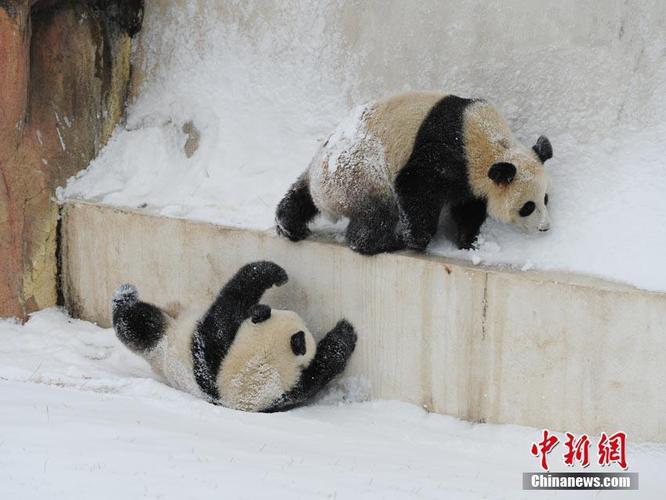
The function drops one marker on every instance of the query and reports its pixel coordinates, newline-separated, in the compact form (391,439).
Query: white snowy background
(82,417)
(265,81)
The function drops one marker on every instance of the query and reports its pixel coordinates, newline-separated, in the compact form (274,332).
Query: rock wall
(64,75)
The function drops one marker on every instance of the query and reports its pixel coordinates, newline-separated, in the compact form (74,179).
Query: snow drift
(233,97)
(82,417)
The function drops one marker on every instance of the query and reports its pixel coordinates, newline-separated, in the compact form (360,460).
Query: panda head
(518,186)
(266,359)
(283,333)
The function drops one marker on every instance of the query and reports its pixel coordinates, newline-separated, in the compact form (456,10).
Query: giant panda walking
(237,353)
(394,164)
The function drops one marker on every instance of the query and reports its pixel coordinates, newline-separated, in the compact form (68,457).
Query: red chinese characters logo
(544,447)
(577,450)
(610,450)
(613,449)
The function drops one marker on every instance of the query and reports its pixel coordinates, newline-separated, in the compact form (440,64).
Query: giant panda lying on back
(394,165)
(238,353)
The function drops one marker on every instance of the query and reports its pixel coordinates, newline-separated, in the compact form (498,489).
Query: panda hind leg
(374,229)
(138,325)
(295,211)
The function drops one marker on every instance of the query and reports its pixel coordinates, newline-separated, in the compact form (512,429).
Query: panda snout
(544,223)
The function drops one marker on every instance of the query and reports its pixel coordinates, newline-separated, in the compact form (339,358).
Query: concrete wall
(566,67)
(546,350)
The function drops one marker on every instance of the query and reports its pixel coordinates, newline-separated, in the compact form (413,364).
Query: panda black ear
(298,343)
(502,173)
(543,148)
(260,313)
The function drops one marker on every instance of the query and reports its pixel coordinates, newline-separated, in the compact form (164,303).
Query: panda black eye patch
(545,199)
(298,343)
(527,209)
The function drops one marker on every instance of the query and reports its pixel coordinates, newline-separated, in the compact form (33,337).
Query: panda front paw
(267,272)
(279,275)
(466,241)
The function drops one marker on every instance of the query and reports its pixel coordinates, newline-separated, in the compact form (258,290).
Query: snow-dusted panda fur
(393,165)
(238,353)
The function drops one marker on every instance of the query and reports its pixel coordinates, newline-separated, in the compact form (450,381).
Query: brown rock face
(64,76)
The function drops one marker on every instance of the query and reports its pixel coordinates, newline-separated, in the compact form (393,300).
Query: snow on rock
(82,417)
(264,83)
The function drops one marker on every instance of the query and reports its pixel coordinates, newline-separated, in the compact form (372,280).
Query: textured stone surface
(64,75)
(543,349)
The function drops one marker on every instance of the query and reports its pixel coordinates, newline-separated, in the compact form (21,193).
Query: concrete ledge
(546,350)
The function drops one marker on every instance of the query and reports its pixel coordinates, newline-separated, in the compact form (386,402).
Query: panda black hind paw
(346,331)
(415,241)
(292,234)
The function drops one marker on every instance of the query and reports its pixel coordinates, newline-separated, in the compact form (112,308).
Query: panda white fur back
(172,355)
(394,164)
(366,151)
(236,352)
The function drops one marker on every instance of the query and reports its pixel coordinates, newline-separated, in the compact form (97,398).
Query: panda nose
(544,224)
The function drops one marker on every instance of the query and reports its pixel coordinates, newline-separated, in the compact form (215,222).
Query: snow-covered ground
(264,82)
(82,417)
